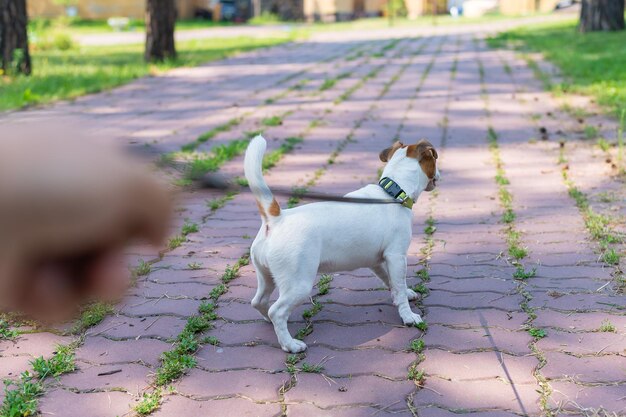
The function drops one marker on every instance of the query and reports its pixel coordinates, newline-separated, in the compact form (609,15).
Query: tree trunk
(601,15)
(14,52)
(160,20)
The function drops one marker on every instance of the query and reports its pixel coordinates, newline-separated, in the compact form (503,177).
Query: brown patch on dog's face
(274,208)
(386,154)
(427,156)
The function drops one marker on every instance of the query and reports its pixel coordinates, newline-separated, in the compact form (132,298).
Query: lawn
(593,64)
(87,26)
(81,70)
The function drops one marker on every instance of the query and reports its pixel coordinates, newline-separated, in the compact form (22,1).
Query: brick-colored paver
(480,355)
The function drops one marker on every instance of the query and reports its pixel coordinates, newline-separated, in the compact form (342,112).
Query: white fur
(292,248)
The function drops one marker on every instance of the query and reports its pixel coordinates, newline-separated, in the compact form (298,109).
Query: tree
(14,54)
(160,21)
(601,15)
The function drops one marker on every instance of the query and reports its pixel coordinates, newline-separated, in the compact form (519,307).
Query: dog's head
(425,157)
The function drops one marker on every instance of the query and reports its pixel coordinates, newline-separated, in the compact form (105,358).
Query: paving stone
(176,405)
(361,361)
(120,327)
(361,390)
(592,369)
(100,350)
(588,321)
(476,318)
(460,340)
(259,386)
(577,302)
(519,398)
(569,396)
(471,300)
(221,358)
(439,412)
(584,343)
(365,336)
(61,402)
(479,366)
(129,377)
(309,410)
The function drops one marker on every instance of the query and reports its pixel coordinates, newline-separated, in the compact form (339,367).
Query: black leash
(218,182)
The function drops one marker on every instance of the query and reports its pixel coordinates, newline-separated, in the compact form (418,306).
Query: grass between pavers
(592,63)
(22,395)
(601,228)
(68,74)
(6,332)
(414,373)
(199,163)
(516,251)
(178,360)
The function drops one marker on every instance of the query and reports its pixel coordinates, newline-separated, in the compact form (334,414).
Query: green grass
(6,332)
(21,396)
(272,121)
(271,158)
(323,286)
(189,228)
(522,274)
(416,346)
(430,226)
(143,268)
(77,26)
(220,202)
(210,134)
(607,327)
(149,402)
(423,274)
(416,375)
(201,163)
(312,369)
(60,363)
(421,289)
(218,291)
(92,314)
(593,63)
(537,333)
(176,241)
(68,74)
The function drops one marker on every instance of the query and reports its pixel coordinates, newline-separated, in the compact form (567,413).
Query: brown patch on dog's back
(274,208)
(386,154)
(426,155)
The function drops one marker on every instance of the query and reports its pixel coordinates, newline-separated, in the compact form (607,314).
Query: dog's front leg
(396,265)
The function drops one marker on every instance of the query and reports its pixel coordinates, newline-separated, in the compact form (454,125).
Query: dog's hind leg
(396,265)
(382,273)
(294,294)
(265,287)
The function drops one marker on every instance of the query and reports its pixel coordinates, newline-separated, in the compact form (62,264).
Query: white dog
(294,245)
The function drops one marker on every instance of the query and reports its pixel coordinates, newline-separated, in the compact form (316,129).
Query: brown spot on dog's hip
(274,208)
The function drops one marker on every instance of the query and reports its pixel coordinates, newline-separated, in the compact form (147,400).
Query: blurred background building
(311,10)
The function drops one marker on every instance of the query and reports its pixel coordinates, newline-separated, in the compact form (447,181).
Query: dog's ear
(386,154)
(422,150)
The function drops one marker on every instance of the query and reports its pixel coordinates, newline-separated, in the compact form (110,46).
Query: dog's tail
(253,168)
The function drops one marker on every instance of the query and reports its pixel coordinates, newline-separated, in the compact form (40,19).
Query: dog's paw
(294,346)
(412,295)
(412,319)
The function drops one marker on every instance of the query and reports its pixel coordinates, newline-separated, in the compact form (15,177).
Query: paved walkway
(483,353)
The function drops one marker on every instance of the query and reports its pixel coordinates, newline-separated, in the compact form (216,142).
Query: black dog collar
(396,192)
